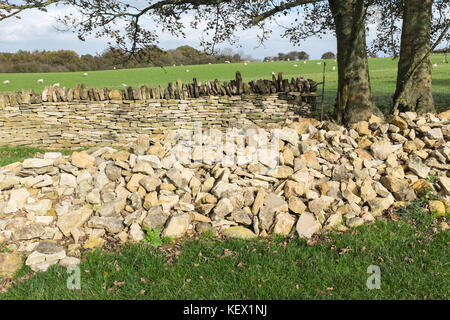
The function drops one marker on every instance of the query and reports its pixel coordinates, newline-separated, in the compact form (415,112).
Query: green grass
(413,261)
(19,153)
(382,73)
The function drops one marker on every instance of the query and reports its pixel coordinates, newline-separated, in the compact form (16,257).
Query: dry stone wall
(89,123)
(85,116)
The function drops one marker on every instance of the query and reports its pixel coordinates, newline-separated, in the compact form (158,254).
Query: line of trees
(297,55)
(328,55)
(442,50)
(293,55)
(425,23)
(69,61)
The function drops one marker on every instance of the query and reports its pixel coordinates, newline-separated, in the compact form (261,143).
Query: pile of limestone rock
(322,177)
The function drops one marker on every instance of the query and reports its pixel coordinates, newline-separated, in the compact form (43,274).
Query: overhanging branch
(281,7)
(13,10)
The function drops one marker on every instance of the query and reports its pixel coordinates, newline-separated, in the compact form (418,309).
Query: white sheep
(187,70)
(295,65)
(114,68)
(304,61)
(56,85)
(40,81)
(334,68)
(227,61)
(245,63)
(6,82)
(85,74)
(124,85)
(174,65)
(435,65)
(319,62)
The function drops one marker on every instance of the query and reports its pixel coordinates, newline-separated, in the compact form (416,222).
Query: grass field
(409,248)
(382,73)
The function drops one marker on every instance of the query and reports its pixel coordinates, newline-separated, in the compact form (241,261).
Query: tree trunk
(413,90)
(354,98)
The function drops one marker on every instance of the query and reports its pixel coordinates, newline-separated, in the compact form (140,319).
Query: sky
(37,31)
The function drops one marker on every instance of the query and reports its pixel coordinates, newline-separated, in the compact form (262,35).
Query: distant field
(382,72)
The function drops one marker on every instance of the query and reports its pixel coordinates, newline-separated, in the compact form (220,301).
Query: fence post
(323,91)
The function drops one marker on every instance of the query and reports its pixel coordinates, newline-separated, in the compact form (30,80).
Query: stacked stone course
(87,123)
(83,116)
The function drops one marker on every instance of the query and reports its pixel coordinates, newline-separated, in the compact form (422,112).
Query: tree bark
(413,90)
(354,98)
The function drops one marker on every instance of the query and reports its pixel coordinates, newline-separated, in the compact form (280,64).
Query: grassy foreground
(413,262)
(409,248)
(383,73)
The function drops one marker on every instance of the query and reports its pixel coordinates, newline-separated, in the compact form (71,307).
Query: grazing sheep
(85,74)
(227,61)
(187,70)
(40,81)
(334,68)
(6,82)
(124,85)
(319,62)
(245,63)
(174,65)
(295,65)
(56,85)
(435,65)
